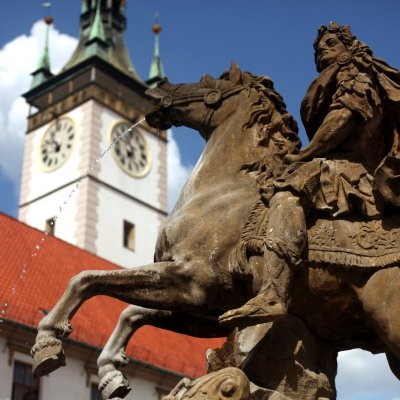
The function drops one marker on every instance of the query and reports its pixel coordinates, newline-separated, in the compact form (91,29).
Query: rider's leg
(286,240)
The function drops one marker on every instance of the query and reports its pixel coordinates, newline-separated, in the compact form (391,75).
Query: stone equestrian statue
(351,166)
(265,237)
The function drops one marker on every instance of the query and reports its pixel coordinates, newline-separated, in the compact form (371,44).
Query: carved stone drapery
(226,384)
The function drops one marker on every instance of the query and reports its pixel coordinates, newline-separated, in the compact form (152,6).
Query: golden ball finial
(156,28)
(48,20)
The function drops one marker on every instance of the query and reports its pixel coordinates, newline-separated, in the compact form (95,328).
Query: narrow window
(50,226)
(24,386)
(94,392)
(129,235)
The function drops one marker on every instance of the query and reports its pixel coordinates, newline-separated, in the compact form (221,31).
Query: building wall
(48,207)
(35,182)
(113,210)
(71,381)
(92,215)
(146,189)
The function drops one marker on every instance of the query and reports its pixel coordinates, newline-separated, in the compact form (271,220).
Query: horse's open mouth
(159,118)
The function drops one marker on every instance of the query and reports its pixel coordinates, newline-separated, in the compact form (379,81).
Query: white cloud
(18,59)
(364,376)
(177,172)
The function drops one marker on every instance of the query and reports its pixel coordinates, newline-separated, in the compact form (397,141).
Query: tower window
(50,226)
(129,235)
(24,386)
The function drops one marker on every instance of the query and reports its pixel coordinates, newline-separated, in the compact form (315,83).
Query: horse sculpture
(194,278)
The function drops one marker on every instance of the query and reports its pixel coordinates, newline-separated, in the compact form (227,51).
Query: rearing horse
(196,275)
(243,120)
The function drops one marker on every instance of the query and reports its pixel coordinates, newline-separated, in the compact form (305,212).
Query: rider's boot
(270,303)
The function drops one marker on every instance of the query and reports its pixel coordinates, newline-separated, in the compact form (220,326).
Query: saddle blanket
(366,244)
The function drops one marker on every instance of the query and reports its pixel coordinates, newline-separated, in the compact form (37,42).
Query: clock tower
(114,207)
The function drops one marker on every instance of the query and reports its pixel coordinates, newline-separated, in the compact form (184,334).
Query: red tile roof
(30,284)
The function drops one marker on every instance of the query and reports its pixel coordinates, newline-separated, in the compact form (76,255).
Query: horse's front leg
(164,285)
(113,382)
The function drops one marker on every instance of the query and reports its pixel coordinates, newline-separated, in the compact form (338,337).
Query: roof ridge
(61,241)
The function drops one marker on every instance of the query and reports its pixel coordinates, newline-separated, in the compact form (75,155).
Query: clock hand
(130,150)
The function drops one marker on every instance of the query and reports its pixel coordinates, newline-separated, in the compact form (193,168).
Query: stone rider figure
(351,165)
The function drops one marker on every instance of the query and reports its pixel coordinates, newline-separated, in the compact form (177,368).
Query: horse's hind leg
(112,381)
(164,285)
(381,302)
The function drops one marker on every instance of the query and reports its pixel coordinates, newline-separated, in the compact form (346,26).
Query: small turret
(42,72)
(102,27)
(156,72)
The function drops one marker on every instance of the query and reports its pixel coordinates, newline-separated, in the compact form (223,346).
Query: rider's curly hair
(344,34)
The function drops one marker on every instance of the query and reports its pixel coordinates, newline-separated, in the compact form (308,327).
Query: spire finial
(103,24)
(42,72)
(156,68)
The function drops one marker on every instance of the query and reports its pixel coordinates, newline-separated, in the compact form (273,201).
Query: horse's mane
(268,109)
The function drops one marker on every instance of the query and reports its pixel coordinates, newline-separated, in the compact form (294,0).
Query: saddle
(350,243)
(354,243)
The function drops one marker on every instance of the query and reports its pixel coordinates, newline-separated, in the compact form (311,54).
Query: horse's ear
(208,81)
(235,75)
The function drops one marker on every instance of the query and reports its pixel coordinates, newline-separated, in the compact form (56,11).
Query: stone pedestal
(284,361)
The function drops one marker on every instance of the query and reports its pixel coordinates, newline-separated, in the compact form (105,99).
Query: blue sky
(266,37)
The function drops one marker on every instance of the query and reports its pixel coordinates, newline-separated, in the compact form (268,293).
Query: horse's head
(196,105)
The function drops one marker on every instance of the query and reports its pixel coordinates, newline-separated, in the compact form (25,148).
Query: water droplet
(13,291)
(37,247)
(33,254)
(42,239)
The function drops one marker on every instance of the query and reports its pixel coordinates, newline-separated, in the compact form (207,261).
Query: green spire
(42,72)
(103,24)
(156,72)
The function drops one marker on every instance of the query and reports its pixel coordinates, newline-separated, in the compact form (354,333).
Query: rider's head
(332,41)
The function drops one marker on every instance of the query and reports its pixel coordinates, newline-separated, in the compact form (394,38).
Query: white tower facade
(117,209)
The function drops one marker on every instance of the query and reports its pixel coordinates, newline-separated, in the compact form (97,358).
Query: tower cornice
(95,79)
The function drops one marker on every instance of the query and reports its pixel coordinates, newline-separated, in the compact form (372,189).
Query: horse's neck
(230,144)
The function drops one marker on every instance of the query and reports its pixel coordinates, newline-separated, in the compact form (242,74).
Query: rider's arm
(335,128)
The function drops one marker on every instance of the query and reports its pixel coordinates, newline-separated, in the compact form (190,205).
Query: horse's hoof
(48,355)
(114,385)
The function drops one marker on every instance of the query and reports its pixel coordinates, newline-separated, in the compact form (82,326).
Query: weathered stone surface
(293,253)
(284,357)
(227,383)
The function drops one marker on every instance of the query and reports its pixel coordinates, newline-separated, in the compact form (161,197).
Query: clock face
(57,144)
(131,150)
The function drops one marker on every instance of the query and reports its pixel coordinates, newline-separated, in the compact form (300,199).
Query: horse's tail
(251,242)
